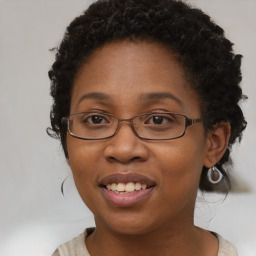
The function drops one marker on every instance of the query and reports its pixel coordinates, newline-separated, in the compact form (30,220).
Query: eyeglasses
(148,126)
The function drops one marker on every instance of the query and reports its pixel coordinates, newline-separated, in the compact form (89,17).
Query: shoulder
(74,247)
(225,247)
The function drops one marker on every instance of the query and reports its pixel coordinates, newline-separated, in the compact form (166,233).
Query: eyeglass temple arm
(64,120)
(190,121)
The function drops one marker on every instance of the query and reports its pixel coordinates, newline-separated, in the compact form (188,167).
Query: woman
(146,99)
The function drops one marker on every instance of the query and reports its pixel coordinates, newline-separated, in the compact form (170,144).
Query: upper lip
(125,178)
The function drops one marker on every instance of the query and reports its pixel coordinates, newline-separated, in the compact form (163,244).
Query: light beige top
(77,247)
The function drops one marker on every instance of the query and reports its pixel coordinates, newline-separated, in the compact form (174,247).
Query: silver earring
(214,175)
(62,185)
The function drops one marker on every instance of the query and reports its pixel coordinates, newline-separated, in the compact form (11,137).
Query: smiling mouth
(124,188)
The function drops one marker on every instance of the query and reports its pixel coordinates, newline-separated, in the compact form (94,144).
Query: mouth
(122,188)
(125,190)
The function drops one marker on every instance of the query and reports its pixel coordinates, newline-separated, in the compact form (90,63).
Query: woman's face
(126,79)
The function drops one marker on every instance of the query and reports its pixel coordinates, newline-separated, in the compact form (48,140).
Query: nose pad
(125,146)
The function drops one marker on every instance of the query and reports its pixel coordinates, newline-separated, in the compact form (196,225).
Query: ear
(217,143)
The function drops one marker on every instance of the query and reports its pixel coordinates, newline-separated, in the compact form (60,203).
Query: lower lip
(126,199)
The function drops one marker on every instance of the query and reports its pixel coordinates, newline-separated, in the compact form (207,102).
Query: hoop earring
(214,175)
(62,186)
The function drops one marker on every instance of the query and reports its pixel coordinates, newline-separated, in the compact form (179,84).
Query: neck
(183,239)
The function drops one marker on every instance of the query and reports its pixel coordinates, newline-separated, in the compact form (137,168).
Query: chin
(126,223)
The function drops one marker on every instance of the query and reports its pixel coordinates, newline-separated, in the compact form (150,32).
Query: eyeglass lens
(149,126)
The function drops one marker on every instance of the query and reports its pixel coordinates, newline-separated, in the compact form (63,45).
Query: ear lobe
(217,143)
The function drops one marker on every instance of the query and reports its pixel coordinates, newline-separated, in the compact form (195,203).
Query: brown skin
(163,223)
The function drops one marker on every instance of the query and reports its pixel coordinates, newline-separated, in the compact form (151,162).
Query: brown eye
(159,119)
(94,119)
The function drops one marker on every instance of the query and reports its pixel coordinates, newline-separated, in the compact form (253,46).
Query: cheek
(180,169)
(180,164)
(82,159)
(82,155)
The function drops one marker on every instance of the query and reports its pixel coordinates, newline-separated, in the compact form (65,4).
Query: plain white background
(35,217)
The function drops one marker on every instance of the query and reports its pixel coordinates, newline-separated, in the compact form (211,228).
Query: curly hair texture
(211,67)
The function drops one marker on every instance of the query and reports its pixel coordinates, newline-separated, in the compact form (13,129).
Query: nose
(125,146)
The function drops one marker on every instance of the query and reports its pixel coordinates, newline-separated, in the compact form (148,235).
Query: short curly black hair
(207,57)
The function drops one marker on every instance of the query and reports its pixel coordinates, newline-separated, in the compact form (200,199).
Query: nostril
(111,159)
(135,158)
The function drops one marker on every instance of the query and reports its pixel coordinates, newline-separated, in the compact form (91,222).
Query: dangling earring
(62,186)
(214,175)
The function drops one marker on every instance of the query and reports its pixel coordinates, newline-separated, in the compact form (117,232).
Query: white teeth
(125,188)
(144,186)
(138,186)
(129,187)
(113,187)
(120,187)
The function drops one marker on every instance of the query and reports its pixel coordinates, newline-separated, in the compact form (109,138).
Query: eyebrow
(159,96)
(153,96)
(95,96)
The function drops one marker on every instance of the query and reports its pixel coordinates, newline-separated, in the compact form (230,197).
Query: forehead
(128,71)
(131,59)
